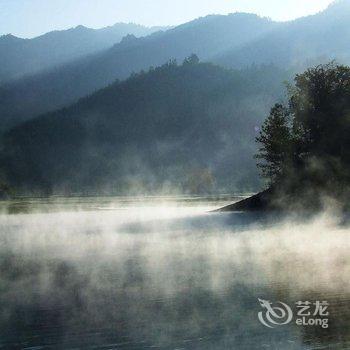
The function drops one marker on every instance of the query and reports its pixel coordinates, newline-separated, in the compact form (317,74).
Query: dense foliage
(305,146)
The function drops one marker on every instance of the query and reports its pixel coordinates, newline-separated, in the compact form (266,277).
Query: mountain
(189,128)
(234,41)
(302,42)
(63,85)
(20,57)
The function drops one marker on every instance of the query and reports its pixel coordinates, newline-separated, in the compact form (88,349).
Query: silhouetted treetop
(306,144)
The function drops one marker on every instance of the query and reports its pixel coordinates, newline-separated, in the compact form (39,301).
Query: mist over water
(166,274)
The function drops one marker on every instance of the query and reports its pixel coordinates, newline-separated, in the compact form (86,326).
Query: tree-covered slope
(190,127)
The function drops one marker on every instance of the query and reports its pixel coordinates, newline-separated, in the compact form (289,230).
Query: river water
(167,273)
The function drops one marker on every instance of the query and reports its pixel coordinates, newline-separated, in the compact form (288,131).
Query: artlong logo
(275,316)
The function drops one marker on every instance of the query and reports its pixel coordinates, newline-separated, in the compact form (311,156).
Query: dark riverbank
(301,203)
(262,201)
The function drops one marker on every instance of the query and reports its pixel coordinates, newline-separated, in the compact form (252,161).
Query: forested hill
(189,127)
(20,57)
(206,37)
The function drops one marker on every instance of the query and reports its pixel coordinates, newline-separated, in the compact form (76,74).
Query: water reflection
(167,276)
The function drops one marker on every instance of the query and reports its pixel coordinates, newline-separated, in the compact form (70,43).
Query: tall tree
(275,140)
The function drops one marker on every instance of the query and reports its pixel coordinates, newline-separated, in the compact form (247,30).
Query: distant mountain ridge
(19,56)
(234,41)
(63,85)
(304,41)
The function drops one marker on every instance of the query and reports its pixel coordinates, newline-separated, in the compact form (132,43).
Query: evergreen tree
(275,138)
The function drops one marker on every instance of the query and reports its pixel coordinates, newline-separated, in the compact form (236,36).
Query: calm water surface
(166,273)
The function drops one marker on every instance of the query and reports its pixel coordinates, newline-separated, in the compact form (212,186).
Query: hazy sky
(28,18)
